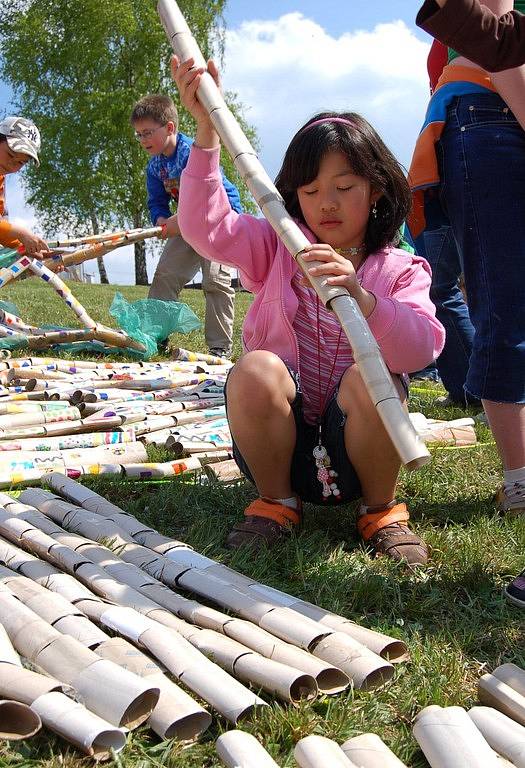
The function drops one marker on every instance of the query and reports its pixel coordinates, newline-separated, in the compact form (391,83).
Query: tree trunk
(141,272)
(100,259)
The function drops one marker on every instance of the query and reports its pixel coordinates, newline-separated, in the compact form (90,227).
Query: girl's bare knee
(258,378)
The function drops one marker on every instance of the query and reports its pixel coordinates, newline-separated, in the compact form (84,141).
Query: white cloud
(290,68)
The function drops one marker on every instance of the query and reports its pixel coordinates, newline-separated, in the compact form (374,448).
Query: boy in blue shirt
(155,121)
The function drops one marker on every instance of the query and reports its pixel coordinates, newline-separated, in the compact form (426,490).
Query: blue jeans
(482,170)
(437,245)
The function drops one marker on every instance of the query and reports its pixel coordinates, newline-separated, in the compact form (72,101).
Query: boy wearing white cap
(19,142)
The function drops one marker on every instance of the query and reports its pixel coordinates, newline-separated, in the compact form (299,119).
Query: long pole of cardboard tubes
(374,372)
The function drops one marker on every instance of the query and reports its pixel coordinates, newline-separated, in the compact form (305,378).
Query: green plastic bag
(8,256)
(152,320)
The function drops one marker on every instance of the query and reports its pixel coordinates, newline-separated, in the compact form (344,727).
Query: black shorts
(304,471)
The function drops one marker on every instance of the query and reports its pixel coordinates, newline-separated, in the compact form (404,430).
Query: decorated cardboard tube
(504,735)
(320,752)
(374,372)
(449,739)
(495,693)
(238,749)
(369,751)
(77,725)
(17,721)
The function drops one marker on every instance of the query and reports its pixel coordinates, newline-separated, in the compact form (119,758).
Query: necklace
(355,250)
(325,474)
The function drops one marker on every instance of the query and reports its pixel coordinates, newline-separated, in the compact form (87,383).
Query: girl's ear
(375,195)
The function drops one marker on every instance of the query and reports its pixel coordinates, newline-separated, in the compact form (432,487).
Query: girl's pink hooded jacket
(403,321)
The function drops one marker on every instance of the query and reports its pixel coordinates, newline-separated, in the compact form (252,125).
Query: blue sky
(288,59)
(334,15)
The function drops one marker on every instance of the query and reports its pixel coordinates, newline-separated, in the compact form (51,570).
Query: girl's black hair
(368,156)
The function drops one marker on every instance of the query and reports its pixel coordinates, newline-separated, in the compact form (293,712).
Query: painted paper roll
(369,751)
(238,749)
(320,752)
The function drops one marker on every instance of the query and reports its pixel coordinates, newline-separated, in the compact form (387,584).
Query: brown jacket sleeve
(476,32)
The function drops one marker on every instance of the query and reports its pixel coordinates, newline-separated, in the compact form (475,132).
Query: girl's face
(336,205)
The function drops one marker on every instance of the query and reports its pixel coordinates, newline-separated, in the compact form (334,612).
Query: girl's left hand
(338,269)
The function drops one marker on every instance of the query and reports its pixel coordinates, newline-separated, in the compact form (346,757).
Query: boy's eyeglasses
(141,135)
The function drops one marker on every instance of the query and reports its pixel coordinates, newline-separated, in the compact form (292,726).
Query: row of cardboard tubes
(54,611)
(85,418)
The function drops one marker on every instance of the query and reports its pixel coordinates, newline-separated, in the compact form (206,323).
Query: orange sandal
(386,531)
(267,522)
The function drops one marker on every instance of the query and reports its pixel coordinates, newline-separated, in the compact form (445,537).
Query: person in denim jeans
(482,168)
(437,245)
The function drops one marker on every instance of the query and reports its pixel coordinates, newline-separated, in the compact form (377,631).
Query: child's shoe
(511,500)
(515,591)
(267,522)
(385,530)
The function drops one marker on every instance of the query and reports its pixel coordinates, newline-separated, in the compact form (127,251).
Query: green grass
(451,614)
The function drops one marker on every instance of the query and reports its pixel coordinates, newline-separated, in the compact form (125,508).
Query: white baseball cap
(22,136)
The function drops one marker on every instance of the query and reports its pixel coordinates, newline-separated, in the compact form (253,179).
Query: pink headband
(329,120)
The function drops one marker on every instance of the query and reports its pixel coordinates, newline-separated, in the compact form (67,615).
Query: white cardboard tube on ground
(210,682)
(512,675)
(503,734)
(238,749)
(130,702)
(389,648)
(494,693)
(449,739)
(329,679)
(176,715)
(365,669)
(7,652)
(24,685)
(320,752)
(17,721)
(77,725)
(369,751)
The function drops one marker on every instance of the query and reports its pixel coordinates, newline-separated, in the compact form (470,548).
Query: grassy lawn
(452,614)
